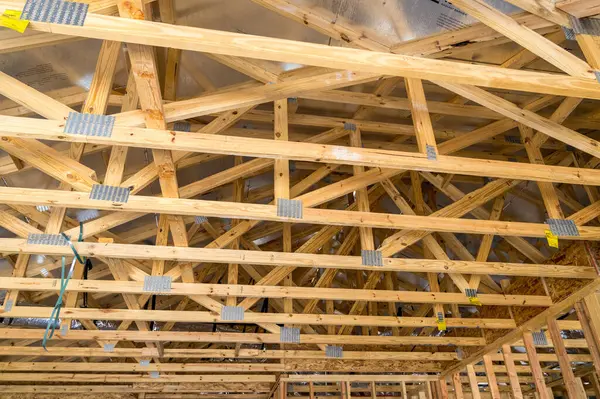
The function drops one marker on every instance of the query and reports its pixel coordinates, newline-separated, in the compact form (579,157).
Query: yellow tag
(441,325)
(10,19)
(552,239)
(475,301)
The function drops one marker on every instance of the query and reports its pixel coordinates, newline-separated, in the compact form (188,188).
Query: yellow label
(441,325)
(475,301)
(552,239)
(10,19)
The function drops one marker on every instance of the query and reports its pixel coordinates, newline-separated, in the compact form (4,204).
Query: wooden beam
(130,251)
(197,39)
(526,37)
(168,140)
(249,318)
(234,210)
(563,360)
(250,338)
(545,9)
(509,363)
(579,8)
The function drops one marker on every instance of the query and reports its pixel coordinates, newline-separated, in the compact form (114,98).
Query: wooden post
(473,382)
(311,390)
(429,390)
(491,377)
(512,372)
(458,391)
(588,334)
(580,387)
(373,390)
(282,390)
(563,359)
(592,305)
(348,390)
(443,388)
(534,363)
(403,387)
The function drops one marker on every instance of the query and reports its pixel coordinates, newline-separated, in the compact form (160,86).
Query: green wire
(64,281)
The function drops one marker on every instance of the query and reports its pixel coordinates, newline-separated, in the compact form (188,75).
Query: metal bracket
(8,305)
(597,74)
(350,126)
(371,258)
(55,11)
(232,313)
(563,227)
(289,208)
(586,26)
(182,126)
(471,292)
(154,374)
(539,338)
(64,330)
(144,362)
(431,152)
(47,239)
(109,347)
(42,208)
(289,335)
(334,351)
(157,284)
(569,33)
(89,125)
(109,193)
(200,219)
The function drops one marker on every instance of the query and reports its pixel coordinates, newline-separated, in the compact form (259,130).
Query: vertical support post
(534,363)
(311,390)
(475,394)
(373,390)
(588,333)
(443,388)
(512,372)
(563,359)
(491,377)
(458,391)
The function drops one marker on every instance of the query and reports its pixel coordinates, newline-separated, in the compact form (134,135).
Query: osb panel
(574,254)
(366,366)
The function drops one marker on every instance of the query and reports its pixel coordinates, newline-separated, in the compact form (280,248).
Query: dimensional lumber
(320,205)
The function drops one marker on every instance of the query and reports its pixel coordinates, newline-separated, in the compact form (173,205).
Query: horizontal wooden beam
(210,255)
(267,291)
(214,144)
(359,378)
(112,378)
(254,318)
(250,338)
(234,210)
(228,43)
(56,351)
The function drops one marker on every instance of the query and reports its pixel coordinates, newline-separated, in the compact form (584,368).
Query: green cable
(64,281)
